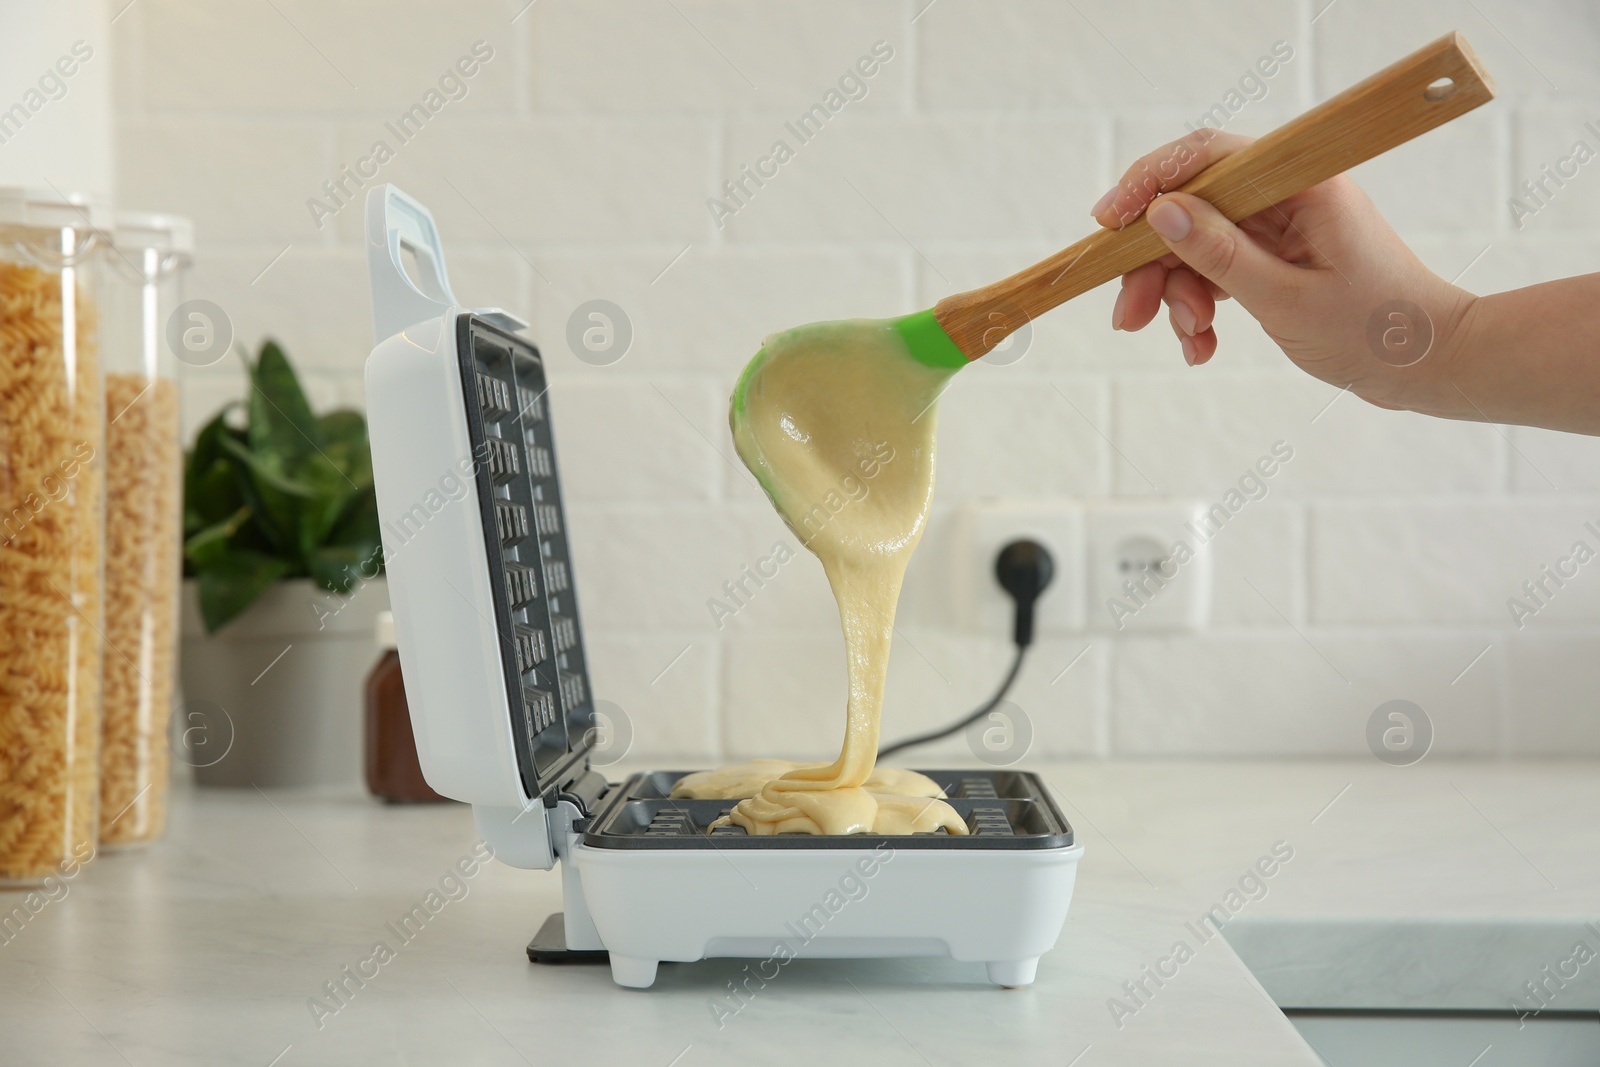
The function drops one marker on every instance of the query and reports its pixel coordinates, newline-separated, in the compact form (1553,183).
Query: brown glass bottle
(393,772)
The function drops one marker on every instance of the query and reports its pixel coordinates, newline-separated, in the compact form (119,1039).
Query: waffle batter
(826,400)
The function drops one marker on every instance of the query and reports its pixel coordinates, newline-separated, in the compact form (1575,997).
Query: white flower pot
(275,697)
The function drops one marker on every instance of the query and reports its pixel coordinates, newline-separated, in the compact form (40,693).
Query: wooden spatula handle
(1428,88)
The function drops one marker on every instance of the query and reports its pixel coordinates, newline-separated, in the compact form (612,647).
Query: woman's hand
(1322,272)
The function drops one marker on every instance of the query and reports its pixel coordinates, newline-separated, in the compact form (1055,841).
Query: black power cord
(1023,569)
(955,728)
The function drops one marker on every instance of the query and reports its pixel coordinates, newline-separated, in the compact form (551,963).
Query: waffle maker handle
(397,224)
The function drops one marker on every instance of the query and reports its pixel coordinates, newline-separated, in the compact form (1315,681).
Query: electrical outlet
(1148,566)
(987,527)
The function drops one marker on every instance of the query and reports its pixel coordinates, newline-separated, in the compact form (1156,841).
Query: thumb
(1219,251)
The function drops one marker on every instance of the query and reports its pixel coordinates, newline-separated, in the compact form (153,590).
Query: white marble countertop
(1441,885)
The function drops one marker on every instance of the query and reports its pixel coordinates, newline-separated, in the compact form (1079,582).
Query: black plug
(1024,569)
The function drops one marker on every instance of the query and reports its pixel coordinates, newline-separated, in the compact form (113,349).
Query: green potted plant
(284,582)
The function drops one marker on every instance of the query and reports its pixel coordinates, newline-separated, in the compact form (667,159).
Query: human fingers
(1221,252)
(1189,298)
(1140,298)
(1199,348)
(1163,170)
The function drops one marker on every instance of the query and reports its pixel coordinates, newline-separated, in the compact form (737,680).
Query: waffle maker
(481,578)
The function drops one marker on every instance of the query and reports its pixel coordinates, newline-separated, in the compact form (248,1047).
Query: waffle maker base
(654,882)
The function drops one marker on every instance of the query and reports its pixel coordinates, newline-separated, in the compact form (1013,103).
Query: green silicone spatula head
(839,417)
(1426,89)
(914,349)
(926,341)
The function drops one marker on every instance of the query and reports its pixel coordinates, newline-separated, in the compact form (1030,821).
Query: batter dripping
(828,403)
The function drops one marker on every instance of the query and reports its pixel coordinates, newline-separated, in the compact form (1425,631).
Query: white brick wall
(579,164)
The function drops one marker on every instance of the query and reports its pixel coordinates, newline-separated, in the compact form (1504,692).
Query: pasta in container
(52,427)
(144,504)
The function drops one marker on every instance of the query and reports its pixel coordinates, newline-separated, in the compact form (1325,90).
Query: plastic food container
(52,429)
(144,520)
